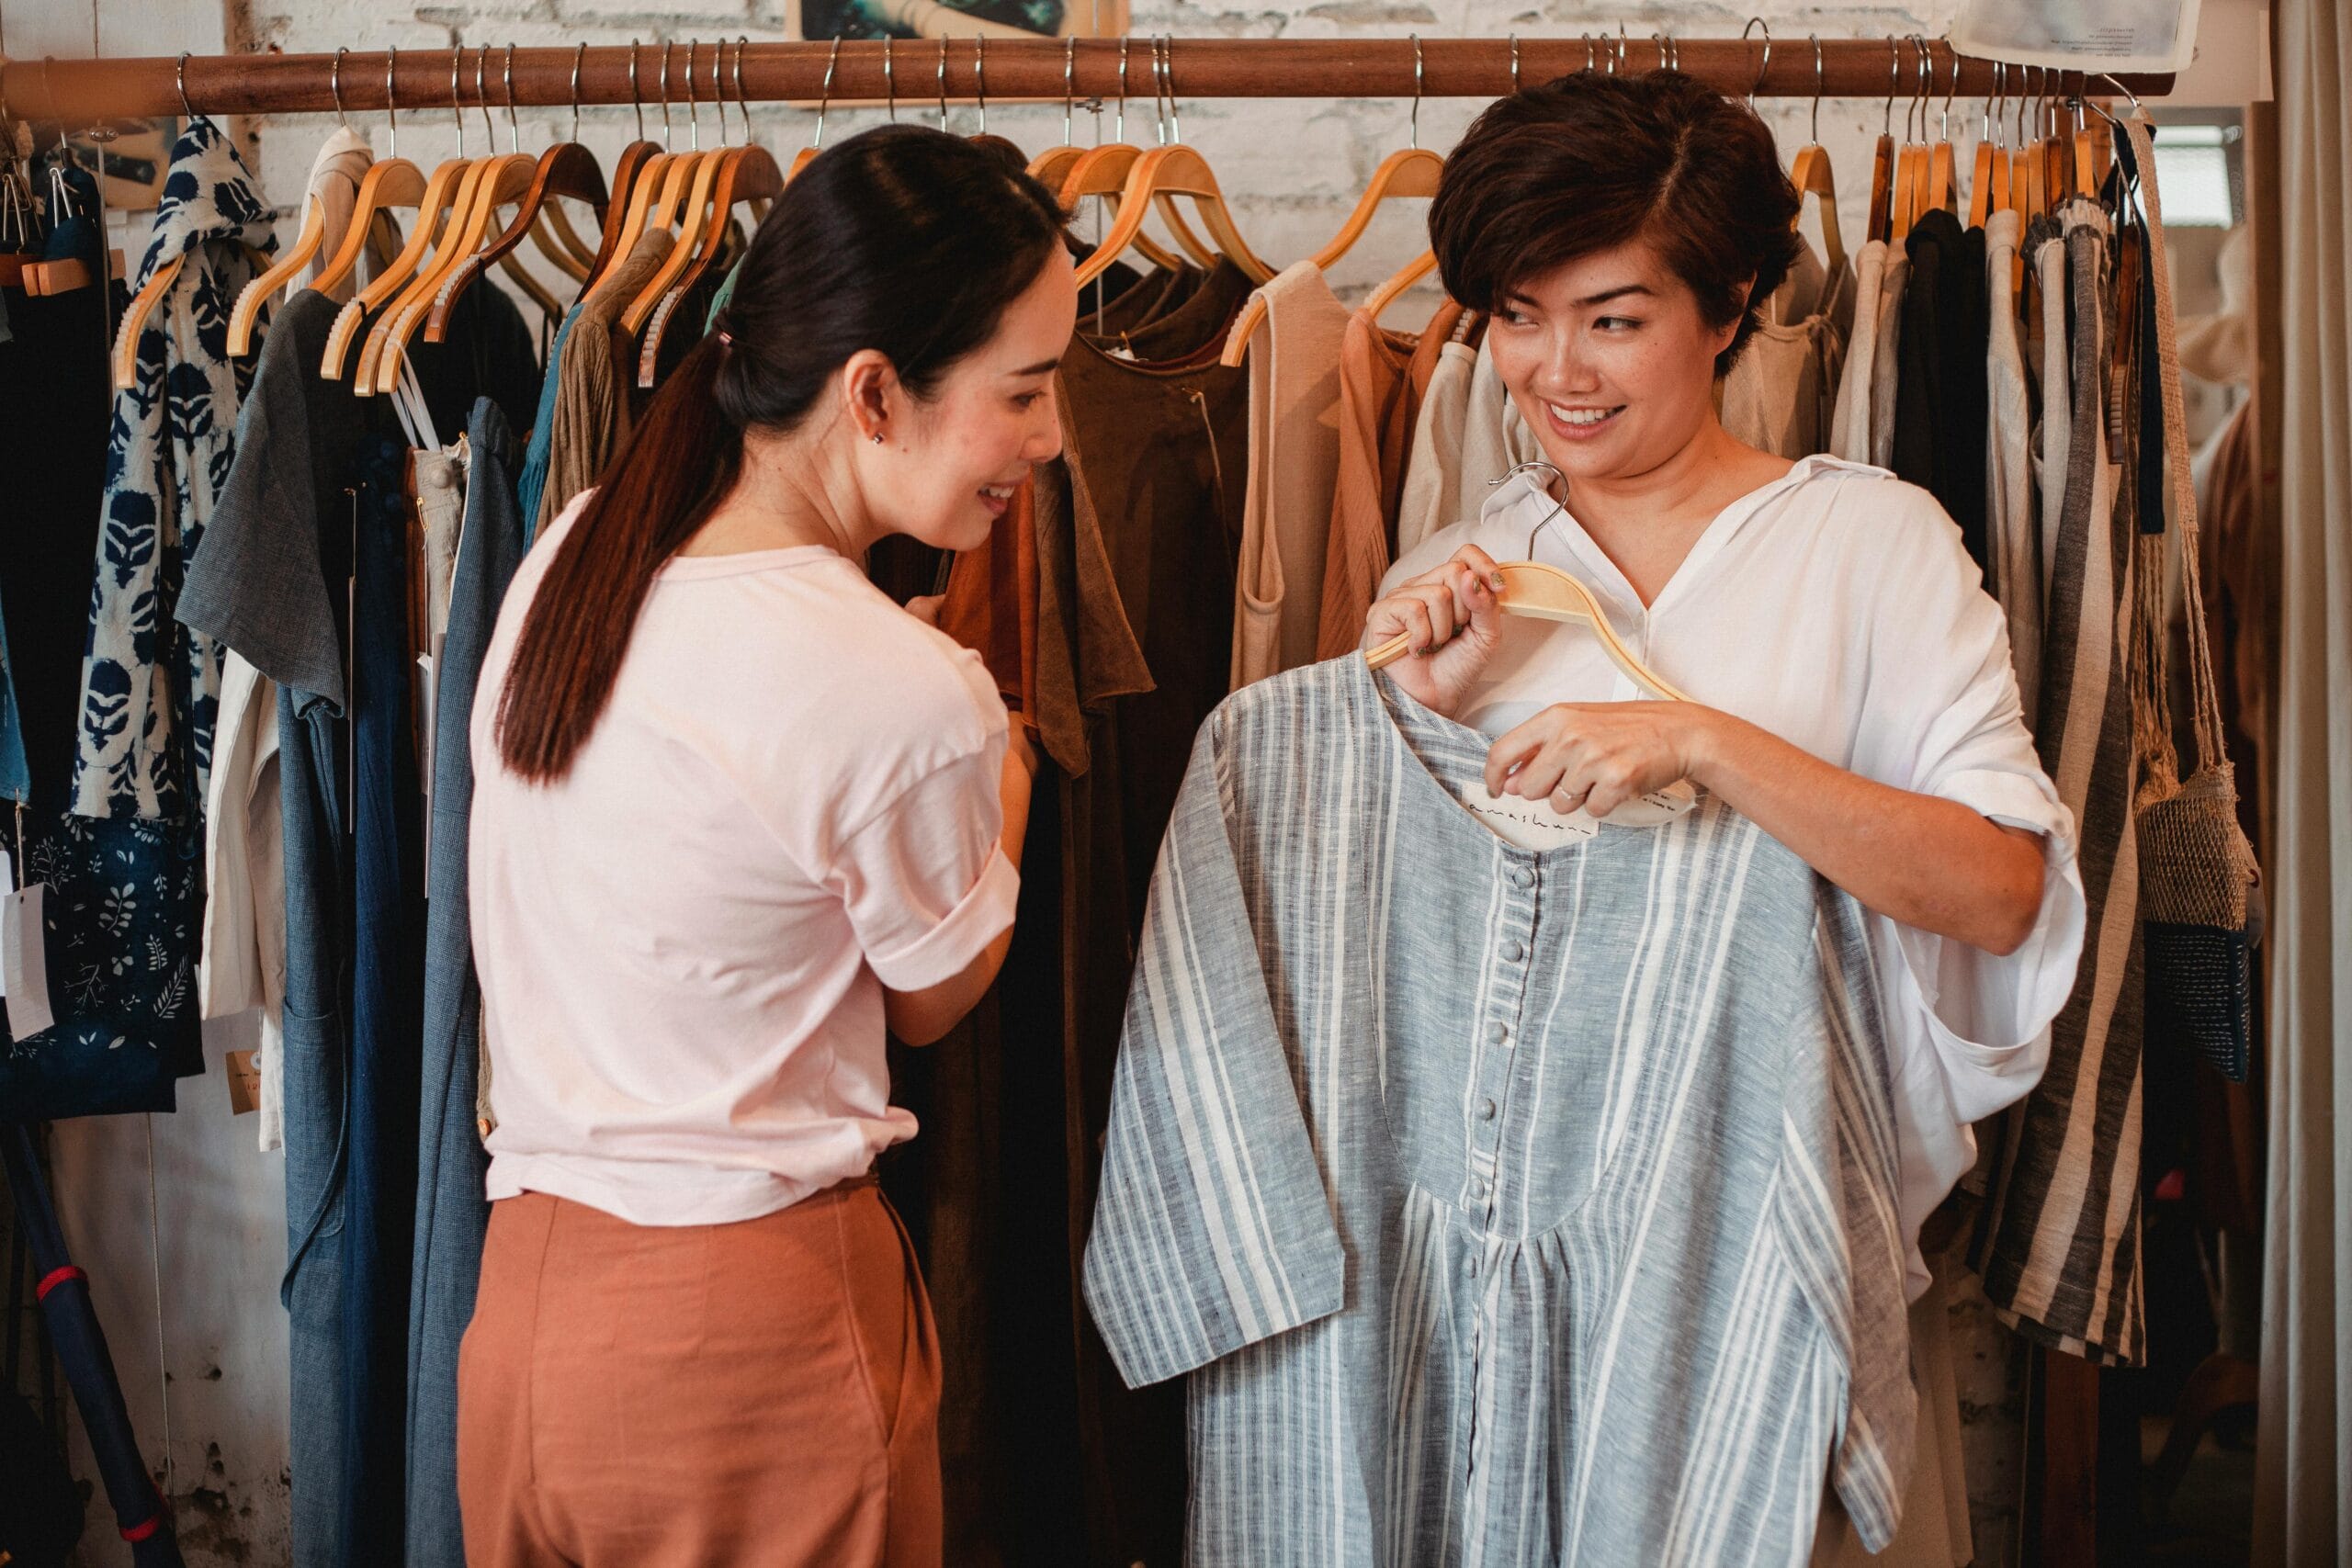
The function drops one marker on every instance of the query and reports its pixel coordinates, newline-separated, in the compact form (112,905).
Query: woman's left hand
(1599,755)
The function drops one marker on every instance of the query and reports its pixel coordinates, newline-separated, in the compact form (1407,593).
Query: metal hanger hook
(694,109)
(981,77)
(334,85)
(481,101)
(1168,73)
(1514,59)
(506,77)
(1950,87)
(577,56)
(1926,88)
(1894,83)
(2117,84)
(825,93)
(1119,125)
(742,98)
(1763,65)
(943,84)
(889,79)
(179,80)
(1069,89)
(665,94)
(1814,38)
(455,113)
(1558,508)
(1590,67)
(636,93)
(1416,88)
(391,102)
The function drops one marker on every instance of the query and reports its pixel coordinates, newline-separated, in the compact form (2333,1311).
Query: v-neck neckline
(1721,528)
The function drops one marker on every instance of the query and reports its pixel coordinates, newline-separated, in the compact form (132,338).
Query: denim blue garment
(311,792)
(533,481)
(451,1211)
(388,986)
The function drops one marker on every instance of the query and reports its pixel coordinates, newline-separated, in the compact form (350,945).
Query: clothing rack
(974,69)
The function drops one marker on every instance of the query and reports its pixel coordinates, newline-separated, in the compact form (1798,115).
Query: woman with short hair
(1850,677)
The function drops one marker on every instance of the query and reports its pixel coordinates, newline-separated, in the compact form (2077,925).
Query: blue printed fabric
(149,685)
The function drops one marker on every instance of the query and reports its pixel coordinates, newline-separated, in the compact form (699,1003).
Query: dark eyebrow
(1039,368)
(1515,298)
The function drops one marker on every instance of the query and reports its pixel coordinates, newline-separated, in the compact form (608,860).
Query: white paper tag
(1655,808)
(22,960)
(1530,824)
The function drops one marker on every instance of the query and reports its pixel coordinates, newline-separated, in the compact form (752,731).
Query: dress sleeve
(1212,1227)
(1941,717)
(925,880)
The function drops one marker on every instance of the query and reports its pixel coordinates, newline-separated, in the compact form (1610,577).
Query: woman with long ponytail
(738,814)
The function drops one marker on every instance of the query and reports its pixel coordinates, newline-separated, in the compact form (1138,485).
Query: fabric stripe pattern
(1504,1206)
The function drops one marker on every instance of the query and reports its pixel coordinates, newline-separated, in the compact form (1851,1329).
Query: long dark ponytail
(902,240)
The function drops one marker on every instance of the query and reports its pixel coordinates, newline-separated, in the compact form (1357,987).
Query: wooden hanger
(1911,167)
(134,321)
(1544,593)
(1377,302)
(1882,208)
(1173,170)
(1102,171)
(1812,175)
(1941,196)
(1988,188)
(289,266)
(41,279)
(390,182)
(1409,172)
(565,169)
(750,173)
(499,180)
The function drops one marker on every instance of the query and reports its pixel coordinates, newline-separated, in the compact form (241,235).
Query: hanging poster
(2080,35)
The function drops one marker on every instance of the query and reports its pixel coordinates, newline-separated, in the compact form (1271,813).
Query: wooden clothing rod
(1024,69)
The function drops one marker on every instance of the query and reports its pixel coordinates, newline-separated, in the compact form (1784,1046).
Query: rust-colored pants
(754,1395)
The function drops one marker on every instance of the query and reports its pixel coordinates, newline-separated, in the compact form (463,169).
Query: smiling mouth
(1584,418)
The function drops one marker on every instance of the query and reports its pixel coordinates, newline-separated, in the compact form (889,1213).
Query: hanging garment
(1886,365)
(593,412)
(1781,393)
(1294,456)
(1450,476)
(274,582)
(342,163)
(2057,1243)
(243,964)
(452,1208)
(532,480)
(2045,247)
(1383,378)
(2013,543)
(1360,1022)
(1851,415)
(1896,670)
(149,688)
(1940,410)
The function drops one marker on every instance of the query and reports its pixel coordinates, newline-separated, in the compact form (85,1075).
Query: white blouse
(1836,608)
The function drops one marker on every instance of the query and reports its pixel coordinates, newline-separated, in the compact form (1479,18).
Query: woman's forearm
(1926,862)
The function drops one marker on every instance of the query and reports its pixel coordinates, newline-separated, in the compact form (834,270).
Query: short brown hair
(1592,161)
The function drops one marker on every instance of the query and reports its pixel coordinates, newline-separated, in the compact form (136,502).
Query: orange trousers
(755,1395)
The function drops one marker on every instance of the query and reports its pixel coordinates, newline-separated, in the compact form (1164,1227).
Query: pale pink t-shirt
(790,803)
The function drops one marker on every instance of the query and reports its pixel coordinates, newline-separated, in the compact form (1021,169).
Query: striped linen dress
(1506,1206)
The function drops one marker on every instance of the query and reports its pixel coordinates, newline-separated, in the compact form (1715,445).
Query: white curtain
(2304,1465)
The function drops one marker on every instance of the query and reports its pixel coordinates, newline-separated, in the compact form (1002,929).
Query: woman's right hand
(1454,616)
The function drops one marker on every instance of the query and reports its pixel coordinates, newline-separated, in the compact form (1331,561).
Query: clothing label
(1655,808)
(1530,824)
(244,1082)
(24,969)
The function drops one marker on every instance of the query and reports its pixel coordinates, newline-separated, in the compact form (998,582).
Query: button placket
(1498,1038)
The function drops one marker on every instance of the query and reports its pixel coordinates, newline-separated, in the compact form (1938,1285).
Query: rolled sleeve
(925,882)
